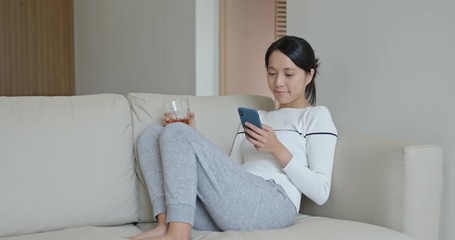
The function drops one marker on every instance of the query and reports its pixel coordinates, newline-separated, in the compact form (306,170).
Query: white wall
(387,69)
(135,46)
(207,48)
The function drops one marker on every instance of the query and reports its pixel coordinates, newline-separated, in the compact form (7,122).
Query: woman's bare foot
(160,230)
(176,231)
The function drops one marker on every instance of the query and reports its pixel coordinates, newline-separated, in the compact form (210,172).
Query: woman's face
(287,82)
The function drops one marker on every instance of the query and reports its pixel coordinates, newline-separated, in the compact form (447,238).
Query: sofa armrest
(386,182)
(423,191)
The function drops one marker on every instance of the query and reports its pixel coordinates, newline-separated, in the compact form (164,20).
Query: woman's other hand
(190,121)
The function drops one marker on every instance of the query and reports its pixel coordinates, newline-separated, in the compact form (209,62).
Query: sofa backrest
(216,118)
(65,162)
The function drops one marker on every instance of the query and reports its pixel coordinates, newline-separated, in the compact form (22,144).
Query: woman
(193,184)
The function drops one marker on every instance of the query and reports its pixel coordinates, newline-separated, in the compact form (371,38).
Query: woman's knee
(149,135)
(175,129)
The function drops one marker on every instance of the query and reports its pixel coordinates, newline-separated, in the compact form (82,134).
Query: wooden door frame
(37,48)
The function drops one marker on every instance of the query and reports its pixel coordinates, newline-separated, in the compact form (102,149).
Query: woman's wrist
(282,155)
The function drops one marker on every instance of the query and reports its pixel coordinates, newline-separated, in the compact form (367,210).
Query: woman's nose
(279,81)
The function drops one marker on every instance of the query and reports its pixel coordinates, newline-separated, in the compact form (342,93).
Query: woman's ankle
(179,230)
(161,218)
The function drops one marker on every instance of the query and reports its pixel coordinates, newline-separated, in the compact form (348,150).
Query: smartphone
(249,115)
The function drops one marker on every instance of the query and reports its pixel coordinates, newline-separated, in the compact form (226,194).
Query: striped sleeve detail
(320,133)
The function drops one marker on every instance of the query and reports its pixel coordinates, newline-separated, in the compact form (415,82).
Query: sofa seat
(306,227)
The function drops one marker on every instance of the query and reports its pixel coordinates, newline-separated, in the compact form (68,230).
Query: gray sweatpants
(192,181)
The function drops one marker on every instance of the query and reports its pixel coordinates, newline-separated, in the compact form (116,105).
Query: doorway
(247,28)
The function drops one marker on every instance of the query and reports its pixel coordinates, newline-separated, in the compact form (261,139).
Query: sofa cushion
(86,233)
(65,162)
(216,118)
(312,228)
(305,227)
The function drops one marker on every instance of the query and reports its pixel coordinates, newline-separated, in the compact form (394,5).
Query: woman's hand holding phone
(265,140)
(258,134)
(259,137)
(262,136)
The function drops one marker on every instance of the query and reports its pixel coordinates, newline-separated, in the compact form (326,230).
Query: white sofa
(68,171)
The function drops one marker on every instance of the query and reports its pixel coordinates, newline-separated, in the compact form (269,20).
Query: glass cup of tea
(177,111)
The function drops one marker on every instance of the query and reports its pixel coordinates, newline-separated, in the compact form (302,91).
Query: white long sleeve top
(310,136)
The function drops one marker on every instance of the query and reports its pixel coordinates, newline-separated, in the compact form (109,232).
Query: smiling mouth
(281,92)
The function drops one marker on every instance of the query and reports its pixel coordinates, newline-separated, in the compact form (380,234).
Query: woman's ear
(309,76)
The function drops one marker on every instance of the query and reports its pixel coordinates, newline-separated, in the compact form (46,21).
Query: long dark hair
(302,55)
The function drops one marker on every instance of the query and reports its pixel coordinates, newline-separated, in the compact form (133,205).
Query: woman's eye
(289,74)
(271,73)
